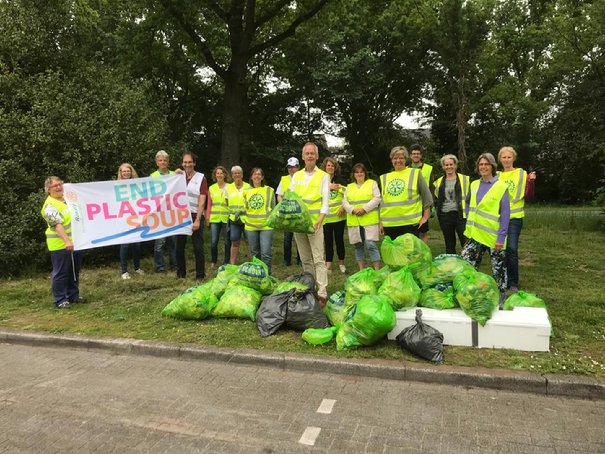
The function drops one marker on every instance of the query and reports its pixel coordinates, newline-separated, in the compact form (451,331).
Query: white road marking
(326,406)
(309,436)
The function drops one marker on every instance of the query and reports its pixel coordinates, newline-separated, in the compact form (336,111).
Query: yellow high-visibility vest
(53,240)
(358,197)
(310,192)
(158,174)
(258,202)
(516,180)
(219,211)
(464,181)
(484,218)
(426,171)
(236,200)
(335,205)
(401,203)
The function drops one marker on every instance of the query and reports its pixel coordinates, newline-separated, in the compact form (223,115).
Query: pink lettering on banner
(177,203)
(106,212)
(92,209)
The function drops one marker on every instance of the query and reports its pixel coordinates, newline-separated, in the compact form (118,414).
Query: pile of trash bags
(360,314)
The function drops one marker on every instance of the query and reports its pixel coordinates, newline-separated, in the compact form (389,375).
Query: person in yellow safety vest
(217,214)
(127,172)
(162,159)
(292,166)
(336,219)
(487,217)
(259,201)
(235,200)
(406,199)
(520,188)
(450,202)
(313,186)
(66,261)
(361,201)
(416,155)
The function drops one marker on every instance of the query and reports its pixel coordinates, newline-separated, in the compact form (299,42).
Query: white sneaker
(125,275)
(343,269)
(139,271)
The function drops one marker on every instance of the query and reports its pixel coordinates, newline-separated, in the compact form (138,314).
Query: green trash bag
(238,301)
(406,249)
(291,215)
(523,299)
(364,282)
(400,289)
(195,303)
(436,298)
(374,318)
(225,274)
(319,336)
(255,274)
(478,295)
(442,270)
(286,286)
(335,308)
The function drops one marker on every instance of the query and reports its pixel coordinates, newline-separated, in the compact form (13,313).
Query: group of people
(485,215)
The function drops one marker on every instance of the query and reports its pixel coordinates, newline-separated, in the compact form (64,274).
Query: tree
(228,38)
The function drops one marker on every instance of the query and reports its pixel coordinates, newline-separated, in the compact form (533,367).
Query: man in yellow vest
(162,159)
(313,186)
(292,166)
(406,199)
(416,153)
(65,260)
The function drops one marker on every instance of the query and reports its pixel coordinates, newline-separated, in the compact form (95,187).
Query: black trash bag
(305,312)
(271,314)
(304,278)
(422,340)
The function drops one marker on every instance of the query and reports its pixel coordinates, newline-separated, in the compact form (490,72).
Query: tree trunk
(234,112)
(460,100)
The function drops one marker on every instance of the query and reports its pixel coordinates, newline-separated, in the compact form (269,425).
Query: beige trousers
(313,257)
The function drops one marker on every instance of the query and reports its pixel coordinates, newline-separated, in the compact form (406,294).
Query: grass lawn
(561,259)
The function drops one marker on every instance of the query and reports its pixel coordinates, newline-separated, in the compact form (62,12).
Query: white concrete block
(523,328)
(453,323)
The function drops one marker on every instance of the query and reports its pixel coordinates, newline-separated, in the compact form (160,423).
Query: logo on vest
(256,201)
(333,194)
(395,187)
(511,187)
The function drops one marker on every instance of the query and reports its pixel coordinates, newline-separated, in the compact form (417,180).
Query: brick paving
(67,400)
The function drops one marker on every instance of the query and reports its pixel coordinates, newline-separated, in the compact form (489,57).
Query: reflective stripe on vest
(219,210)
(334,206)
(516,180)
(309,192)
(401,206)
(426,171)
(236,200)
(193,191)
(358,197)
(53,240)
(464,181)
(484,218)
(259,203)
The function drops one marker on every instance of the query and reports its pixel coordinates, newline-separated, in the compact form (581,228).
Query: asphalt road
(68,400)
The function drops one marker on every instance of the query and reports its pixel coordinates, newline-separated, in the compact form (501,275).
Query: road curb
(503,379)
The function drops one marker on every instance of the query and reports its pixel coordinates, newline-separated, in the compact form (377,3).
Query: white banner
(127,211)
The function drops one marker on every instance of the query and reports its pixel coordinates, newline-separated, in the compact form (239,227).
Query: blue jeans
(65,287)
(236,231)
(136,256)
(158,255)
(260,245)
(512,251)
(215,231)
(370,245)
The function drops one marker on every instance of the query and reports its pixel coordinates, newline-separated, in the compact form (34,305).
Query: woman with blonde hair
(127,172)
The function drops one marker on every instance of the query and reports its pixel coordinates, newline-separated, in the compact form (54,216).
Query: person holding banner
(197,191)
(65,260)
(126,172)
(259,201)
(217,214)
(162,159)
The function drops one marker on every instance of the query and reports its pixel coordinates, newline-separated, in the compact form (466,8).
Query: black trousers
(334,232)
(198,251)
(452,224)
(398,230)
